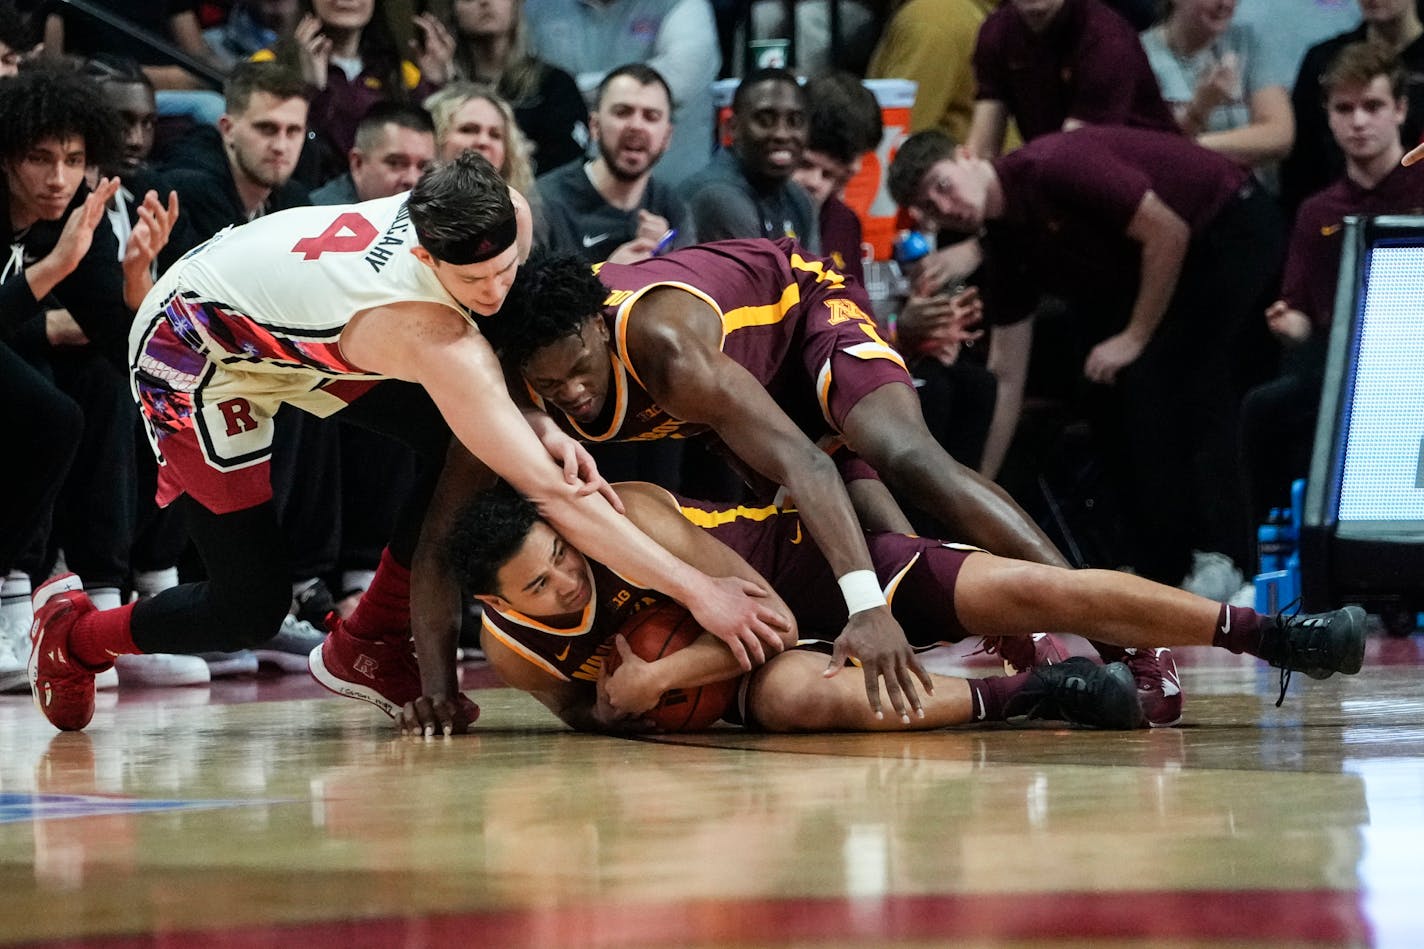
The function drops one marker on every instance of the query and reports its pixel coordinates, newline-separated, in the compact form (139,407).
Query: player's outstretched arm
(674,341)
(432,346)
(436,608)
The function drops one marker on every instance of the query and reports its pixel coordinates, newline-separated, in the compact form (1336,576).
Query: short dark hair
(270,76)
(917,155)
(843,118)
(551,298)
(1357,64)
(758,76)
(107,68)
(486,534)
(457,201)
(386,112)
(45,102)
(641,73)
(16,30)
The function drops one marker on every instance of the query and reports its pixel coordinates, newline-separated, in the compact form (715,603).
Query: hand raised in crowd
(875,640)
(652,228)
(945,267)
(78,233)
(1289,325)
(313,50)
(433,51)
(149,236)
(1219,85)
(1413,155)
(941,325)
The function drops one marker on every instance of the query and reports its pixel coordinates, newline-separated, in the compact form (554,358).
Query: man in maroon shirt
(1366,106)
(1052,65)
(1164,250)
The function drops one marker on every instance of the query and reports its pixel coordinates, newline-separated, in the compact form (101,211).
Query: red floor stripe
(1326,916)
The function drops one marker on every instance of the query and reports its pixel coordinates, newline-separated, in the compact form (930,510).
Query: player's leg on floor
(790,694)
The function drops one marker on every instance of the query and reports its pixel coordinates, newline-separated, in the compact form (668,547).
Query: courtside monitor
(1363,523)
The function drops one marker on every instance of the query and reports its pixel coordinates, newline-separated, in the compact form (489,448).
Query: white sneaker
(227,664)
(162,670)
(15,619)
(1213,576)
(289,649)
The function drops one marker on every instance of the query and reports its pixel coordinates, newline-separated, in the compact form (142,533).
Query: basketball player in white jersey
(326,309)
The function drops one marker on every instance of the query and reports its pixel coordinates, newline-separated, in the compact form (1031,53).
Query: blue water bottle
(911,247)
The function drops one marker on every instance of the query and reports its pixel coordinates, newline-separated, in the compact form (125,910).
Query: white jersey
(273,296)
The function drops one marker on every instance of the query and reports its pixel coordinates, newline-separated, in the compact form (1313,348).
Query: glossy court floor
(265,813)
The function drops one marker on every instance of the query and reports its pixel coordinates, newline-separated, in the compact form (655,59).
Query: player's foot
(1158,686)
(1022,653)
(15,619)
(1079,691)
(313,602)
(382,672)
(63,689)
(289,649)
(226,665)
(158,670)
(1318,644)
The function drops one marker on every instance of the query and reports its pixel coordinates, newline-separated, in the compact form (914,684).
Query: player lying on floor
(552,616)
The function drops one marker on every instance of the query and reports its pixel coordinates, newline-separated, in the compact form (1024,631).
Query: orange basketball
(652,633)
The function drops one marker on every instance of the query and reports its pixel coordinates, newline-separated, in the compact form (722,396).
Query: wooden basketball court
(264,812)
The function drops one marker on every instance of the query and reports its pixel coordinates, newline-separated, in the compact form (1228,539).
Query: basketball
(655,632)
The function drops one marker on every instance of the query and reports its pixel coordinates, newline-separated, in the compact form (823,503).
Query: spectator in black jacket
(63,326)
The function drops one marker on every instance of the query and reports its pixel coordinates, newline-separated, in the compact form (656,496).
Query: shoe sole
(350,690)
(286,661)
(1356,658)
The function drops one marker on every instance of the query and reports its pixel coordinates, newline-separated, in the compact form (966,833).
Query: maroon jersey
(1313,263)
(1068,200)
(1088,64)
(577,651)
(917,575)
(785,314)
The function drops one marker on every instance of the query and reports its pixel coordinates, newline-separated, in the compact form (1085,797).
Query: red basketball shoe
(1022,653)
(380,671)
(1158,685)
(62,688)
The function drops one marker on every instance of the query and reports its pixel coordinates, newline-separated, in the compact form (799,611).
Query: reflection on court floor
(260,813)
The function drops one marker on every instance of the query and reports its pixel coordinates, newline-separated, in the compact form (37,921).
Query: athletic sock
(101,635)
(991,695)
(104,598)
(384,610)
(1239,629)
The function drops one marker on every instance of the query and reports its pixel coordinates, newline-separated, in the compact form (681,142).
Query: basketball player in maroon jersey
(552,615)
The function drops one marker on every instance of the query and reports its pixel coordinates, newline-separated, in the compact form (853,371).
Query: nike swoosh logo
(978,707)
(1329,230)
(565,654)
(590,239)
(1226,625)
(797,538)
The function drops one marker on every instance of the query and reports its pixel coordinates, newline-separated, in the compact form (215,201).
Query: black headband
(482,246)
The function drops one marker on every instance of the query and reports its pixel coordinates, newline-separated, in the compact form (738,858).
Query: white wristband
(861,591)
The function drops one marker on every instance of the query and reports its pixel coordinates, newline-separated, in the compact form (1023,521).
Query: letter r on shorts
(237,413)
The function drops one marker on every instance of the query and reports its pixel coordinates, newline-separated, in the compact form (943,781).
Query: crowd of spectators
(1109,188)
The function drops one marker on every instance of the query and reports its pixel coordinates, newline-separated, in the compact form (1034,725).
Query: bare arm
(432,346)
(988,128)
(1267,137)
(1163,236)
(1009,348)
(674,338)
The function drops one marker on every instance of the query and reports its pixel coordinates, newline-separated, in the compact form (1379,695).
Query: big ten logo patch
(843,311)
